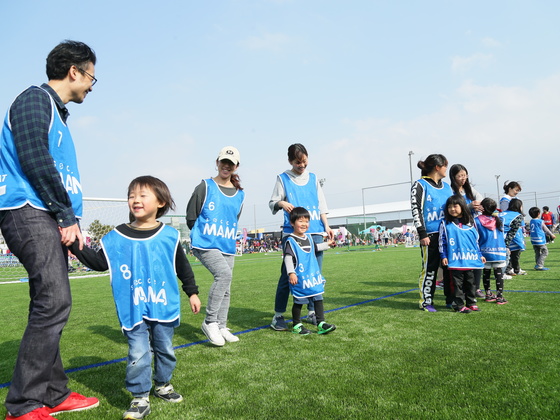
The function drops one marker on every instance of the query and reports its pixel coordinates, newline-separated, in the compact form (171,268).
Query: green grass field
(386,360)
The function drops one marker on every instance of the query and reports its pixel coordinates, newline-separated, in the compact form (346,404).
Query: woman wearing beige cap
(212,215)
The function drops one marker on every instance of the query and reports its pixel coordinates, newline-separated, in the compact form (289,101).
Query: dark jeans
(283,288)
(39,378)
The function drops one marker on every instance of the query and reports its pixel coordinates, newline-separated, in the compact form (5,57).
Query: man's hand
(71,234)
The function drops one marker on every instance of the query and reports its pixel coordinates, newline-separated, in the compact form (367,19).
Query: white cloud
(267,42)
(461,64)
(506,130)
(491,42)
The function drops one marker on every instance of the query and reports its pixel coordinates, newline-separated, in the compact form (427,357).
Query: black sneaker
(324,328)
(167,393)
(279,324)
(139,408)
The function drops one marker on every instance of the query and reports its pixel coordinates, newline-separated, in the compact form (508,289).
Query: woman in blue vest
(427,199)
(212,215)
(297,187)
(511,189)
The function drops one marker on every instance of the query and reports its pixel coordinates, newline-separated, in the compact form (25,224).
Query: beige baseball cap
(229,153)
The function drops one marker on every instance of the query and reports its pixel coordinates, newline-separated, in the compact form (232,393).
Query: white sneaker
(212,331)
(507,277)
(521,272)
(228,336)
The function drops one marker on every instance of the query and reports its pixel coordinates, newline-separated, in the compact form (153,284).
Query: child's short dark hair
(534,212)
(298,212)
(160,190)
(545,208)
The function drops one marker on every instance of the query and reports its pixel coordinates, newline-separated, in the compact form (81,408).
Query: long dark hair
(428,165)
(489,206)
(515,204)
(453,171)
(236,181)
(466,217)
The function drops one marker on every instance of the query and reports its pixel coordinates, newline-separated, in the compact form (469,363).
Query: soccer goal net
(100,216)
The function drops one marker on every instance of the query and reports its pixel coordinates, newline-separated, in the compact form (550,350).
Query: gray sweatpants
(541,252)
(221,267)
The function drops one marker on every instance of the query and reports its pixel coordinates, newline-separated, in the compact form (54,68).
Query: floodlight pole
(498,186)
(410,165)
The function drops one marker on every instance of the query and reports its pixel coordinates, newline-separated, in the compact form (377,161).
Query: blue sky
(359,83)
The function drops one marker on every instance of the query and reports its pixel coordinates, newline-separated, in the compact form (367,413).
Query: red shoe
(40,413)
(74,402)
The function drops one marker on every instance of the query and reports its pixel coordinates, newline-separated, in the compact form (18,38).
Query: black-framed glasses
(93,79)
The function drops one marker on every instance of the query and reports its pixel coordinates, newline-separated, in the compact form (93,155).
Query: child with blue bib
(493,248)
(145,258)
(514,223)
(539,233)
(460,252)
(306,281)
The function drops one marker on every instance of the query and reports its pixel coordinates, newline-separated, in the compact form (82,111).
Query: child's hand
(293,278)
(332,243)
(483,260)
(444,262)
(195,304)
(286,206)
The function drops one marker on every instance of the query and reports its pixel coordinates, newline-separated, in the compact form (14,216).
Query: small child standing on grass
(493,248)
(306,281)
(460,252)
(514,224)
(145,258)
(539,233)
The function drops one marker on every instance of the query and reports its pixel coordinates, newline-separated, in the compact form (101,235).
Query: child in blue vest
(514,224)
(145,258)
(493,248)
(539,233)
(460,252)
(305,278)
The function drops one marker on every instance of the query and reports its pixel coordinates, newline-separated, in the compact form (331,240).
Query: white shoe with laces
(228,336)
(212,331)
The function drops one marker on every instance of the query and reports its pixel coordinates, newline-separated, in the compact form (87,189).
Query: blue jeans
(144,339)
(39,378)
(283,288)
(221,267)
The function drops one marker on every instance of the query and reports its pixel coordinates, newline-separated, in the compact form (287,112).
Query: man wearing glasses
(40,205)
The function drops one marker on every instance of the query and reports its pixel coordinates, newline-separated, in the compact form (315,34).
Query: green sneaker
(300,329)
(324,328)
